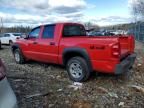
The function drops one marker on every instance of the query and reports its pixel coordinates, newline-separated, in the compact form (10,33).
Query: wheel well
(69,55)
(14,48)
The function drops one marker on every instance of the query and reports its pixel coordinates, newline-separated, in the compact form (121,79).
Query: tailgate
(127,44)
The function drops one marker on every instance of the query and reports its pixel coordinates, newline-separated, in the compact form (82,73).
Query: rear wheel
(19,58)
(78,69)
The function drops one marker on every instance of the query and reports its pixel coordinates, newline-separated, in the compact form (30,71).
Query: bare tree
(90,25)
(138,9)
(1,25)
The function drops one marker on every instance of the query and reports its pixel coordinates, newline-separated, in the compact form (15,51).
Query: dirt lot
(39,85)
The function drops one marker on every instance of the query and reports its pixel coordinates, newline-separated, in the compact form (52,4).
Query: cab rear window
(73,30)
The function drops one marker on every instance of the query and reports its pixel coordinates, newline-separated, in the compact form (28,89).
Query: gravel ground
(39,85)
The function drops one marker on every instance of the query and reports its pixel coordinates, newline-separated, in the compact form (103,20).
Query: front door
(32,48)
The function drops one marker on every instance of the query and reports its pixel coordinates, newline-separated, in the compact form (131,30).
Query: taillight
(2,70)
(116,50)
(17,38)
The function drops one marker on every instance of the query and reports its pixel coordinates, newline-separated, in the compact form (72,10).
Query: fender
(16,46)
(79,51)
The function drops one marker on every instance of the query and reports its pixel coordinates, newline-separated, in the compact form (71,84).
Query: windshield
(74,30)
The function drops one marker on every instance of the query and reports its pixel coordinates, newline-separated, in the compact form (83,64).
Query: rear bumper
(126,64)
(7,96)
(114,67)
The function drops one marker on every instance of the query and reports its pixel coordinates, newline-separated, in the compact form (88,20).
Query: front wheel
(19,58)
(77,69)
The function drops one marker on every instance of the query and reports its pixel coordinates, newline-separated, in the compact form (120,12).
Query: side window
(6,35)
(48,31)
(34,33)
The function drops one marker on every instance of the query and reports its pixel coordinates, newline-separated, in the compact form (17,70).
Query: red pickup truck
(67,44)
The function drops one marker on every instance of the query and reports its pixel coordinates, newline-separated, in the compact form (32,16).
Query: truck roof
(63,23)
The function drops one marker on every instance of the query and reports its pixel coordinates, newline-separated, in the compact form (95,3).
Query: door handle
(52,43)
(34,42)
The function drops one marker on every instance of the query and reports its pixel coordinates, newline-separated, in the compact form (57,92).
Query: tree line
(16,29)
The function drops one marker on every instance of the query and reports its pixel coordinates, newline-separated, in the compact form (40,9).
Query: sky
(36,12)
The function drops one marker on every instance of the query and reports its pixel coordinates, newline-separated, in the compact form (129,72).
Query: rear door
(48,45)
(2,38)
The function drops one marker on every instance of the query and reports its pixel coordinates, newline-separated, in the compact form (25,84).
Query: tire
(19,58)
(10,42)
(78,69)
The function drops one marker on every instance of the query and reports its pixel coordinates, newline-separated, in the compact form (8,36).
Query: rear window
(16,34)
(73,30)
